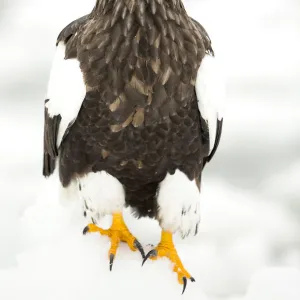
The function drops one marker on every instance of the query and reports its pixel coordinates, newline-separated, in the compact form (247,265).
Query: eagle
(133,114)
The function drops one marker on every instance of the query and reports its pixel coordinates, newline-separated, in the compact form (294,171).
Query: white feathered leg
(102,194)
(179,204)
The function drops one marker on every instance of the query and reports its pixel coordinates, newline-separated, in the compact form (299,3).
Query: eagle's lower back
(138,157)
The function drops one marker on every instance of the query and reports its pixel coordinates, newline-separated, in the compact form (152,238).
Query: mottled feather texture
(140,119)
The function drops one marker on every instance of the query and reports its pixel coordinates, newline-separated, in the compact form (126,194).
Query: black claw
(111,261)
(184,284)
(138,245)
(85,230)
(192,279)
(150,253)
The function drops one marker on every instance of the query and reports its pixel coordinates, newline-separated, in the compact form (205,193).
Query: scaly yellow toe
(118,232)
(167,249)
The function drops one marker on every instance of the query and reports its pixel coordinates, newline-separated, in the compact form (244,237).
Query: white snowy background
(249,243)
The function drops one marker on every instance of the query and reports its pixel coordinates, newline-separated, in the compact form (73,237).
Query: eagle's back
(140,118)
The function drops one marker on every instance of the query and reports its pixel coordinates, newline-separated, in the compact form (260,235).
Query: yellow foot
(117,233)
(167,249)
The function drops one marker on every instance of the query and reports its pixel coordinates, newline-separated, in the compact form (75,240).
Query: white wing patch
(210,90)
(66,90)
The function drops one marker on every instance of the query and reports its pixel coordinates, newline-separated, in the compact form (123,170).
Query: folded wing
(66,92)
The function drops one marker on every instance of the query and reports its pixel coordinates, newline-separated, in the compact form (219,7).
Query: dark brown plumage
(50,136)
(140,117)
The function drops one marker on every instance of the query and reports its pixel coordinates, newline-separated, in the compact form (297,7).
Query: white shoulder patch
(66,90)
(210,90)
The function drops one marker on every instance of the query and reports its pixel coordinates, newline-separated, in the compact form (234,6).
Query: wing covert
(71,29)
(210,91)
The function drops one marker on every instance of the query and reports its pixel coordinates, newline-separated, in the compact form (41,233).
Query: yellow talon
(117,233)
(167,249)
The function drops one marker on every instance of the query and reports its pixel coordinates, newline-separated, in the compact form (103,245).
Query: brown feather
(139,59)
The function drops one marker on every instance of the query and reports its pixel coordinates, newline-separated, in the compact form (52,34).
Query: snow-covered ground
(248,247)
